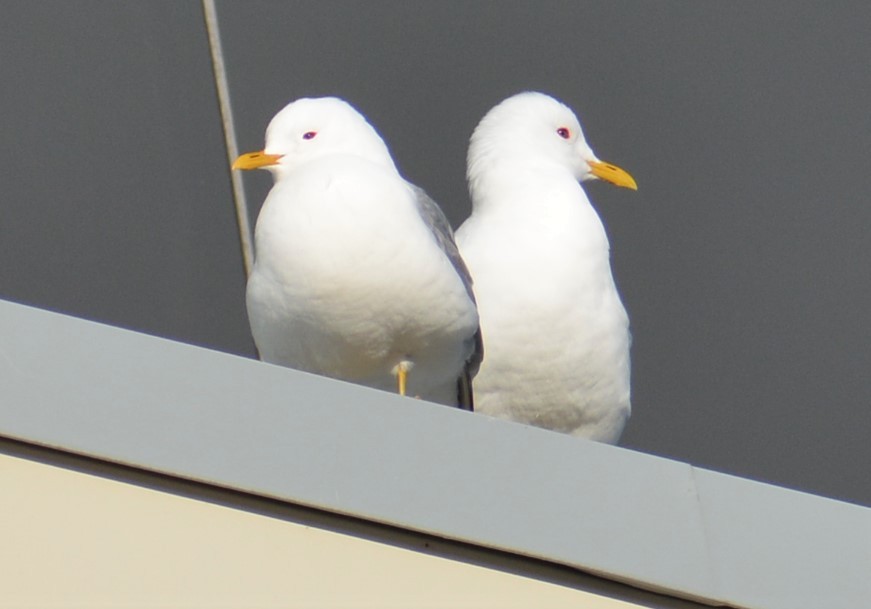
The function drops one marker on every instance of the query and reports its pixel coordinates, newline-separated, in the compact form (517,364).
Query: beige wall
(72,539)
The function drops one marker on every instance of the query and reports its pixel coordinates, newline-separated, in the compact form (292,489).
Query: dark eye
(309,135)
(563,133)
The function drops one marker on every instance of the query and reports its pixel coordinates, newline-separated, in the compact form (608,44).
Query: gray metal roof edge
(168,407)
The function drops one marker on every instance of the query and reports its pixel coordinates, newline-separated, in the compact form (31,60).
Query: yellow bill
(612,173)
(256,160)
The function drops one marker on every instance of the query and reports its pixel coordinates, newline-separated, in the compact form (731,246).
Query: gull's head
(311,128)
(535,130)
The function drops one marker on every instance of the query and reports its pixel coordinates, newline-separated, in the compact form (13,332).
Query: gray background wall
(743,258)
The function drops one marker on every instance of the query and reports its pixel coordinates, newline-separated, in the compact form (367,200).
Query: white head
(533,129)
(312,128)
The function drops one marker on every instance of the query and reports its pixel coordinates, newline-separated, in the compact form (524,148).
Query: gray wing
(435,219)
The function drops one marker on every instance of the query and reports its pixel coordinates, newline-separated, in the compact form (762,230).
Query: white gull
(356,273)
(555,331)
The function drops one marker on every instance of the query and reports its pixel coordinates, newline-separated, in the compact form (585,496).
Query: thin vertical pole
(244,224)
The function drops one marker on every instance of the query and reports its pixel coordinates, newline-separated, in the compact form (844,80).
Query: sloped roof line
(172,408)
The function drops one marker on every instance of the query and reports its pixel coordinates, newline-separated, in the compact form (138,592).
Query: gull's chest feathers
(565,292)
(343,253)
(548,259)
(355,227)
(329,223)
(557,338)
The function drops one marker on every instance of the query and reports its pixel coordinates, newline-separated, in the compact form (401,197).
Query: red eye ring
(563,133)
(309,135)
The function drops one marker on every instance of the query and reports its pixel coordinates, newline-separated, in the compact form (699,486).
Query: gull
(356,273)
(555,330)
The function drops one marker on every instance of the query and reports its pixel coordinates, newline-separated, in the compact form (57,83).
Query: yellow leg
(402,379)
(401,371)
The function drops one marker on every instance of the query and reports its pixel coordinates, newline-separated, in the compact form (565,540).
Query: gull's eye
(308,135)
(563,133)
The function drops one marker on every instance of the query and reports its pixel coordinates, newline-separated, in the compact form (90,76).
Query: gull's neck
(512,183)
(545,199)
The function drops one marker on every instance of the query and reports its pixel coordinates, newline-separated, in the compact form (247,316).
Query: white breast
(555,332)
(348,281)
